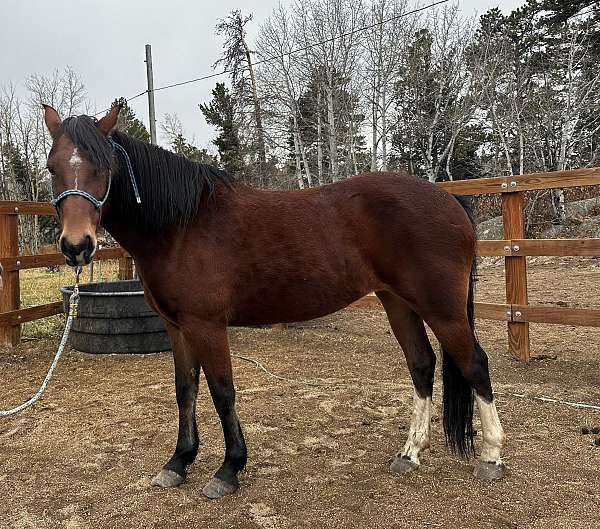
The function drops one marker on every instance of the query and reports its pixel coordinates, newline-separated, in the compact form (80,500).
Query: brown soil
(319,455)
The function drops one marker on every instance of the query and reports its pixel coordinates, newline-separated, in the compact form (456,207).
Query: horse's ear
(108,123)
(52,119)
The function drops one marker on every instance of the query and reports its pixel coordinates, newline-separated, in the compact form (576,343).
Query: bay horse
(211,253)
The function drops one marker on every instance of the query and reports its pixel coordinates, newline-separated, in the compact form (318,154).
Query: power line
(289,53)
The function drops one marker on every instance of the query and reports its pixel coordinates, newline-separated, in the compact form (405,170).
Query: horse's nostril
(79,253)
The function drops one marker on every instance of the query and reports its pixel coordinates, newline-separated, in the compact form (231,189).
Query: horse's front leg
(215,359)
(187,371)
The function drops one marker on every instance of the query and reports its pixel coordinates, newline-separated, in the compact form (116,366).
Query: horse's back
(307,253)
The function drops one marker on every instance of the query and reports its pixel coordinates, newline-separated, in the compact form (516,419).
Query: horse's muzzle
(77,254)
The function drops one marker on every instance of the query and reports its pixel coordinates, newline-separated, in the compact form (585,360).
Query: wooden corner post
(10,294)
(516,273)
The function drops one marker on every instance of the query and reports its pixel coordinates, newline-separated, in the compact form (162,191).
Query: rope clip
(74,299)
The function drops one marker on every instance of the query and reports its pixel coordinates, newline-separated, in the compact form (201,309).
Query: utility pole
(151,112)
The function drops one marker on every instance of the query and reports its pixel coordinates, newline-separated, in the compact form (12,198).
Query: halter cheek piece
(99,203)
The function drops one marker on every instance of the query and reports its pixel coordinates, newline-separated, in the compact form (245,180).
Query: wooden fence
(514,248)
(11,313)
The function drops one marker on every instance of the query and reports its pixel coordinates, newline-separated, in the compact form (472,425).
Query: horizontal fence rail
(525,182)
(12,207)
(514,248)
(514,313)
(540,247)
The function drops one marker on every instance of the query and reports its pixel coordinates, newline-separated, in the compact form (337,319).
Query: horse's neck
(125,236)
(140,242)
(131,236)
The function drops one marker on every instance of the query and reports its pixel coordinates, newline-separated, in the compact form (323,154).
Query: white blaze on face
(493,434)
(75,162)
(420,425)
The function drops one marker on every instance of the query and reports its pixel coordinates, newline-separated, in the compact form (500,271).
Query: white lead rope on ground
(73,304)
(543,398)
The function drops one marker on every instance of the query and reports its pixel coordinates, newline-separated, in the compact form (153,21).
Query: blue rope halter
(99,203)
(119,148)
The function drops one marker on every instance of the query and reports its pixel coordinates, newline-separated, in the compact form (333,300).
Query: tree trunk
(411,162)
(383,130)
(331,131)
(521,152)
(297,155)
(503,141)
(351,153)
(449,158)
(319,140)
(305,163)
(429,169)
(262,153)
(558,195)
(374,138)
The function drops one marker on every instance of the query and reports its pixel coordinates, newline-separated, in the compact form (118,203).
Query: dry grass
(40,286)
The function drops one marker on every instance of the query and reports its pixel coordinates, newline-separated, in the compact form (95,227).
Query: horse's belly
(296,303)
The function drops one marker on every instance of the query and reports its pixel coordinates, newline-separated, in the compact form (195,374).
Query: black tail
(467,204)
(458,393)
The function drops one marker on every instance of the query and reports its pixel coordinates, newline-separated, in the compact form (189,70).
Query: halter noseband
(90,198)
(79,193)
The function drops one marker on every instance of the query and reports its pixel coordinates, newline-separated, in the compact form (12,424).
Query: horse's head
(80,162)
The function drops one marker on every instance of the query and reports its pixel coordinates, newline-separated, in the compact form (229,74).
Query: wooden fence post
(516,273)
(126,267)
(10,294)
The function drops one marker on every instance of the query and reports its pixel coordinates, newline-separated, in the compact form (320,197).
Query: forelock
(84,134)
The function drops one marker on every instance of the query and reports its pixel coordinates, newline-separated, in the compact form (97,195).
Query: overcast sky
(103,41)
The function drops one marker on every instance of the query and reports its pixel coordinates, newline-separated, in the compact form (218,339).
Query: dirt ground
(319,455)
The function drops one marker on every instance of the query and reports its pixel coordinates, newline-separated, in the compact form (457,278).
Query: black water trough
(114,317)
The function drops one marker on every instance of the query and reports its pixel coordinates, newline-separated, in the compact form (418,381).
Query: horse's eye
(50,170)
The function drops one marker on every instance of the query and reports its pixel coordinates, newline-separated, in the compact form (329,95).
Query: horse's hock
(115,318)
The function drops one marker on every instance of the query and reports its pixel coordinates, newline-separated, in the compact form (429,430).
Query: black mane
(172,188)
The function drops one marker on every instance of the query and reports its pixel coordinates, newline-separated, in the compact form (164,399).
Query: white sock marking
(420,425)
(493,434)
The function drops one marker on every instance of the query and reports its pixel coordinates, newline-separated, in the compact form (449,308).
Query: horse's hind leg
(465,370)
(410,332)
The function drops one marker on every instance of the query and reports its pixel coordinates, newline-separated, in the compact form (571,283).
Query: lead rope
(73,304)
(123,152)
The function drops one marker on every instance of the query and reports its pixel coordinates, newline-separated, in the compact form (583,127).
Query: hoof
(167,479)
(489,471)
(403,465)
(217,488)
